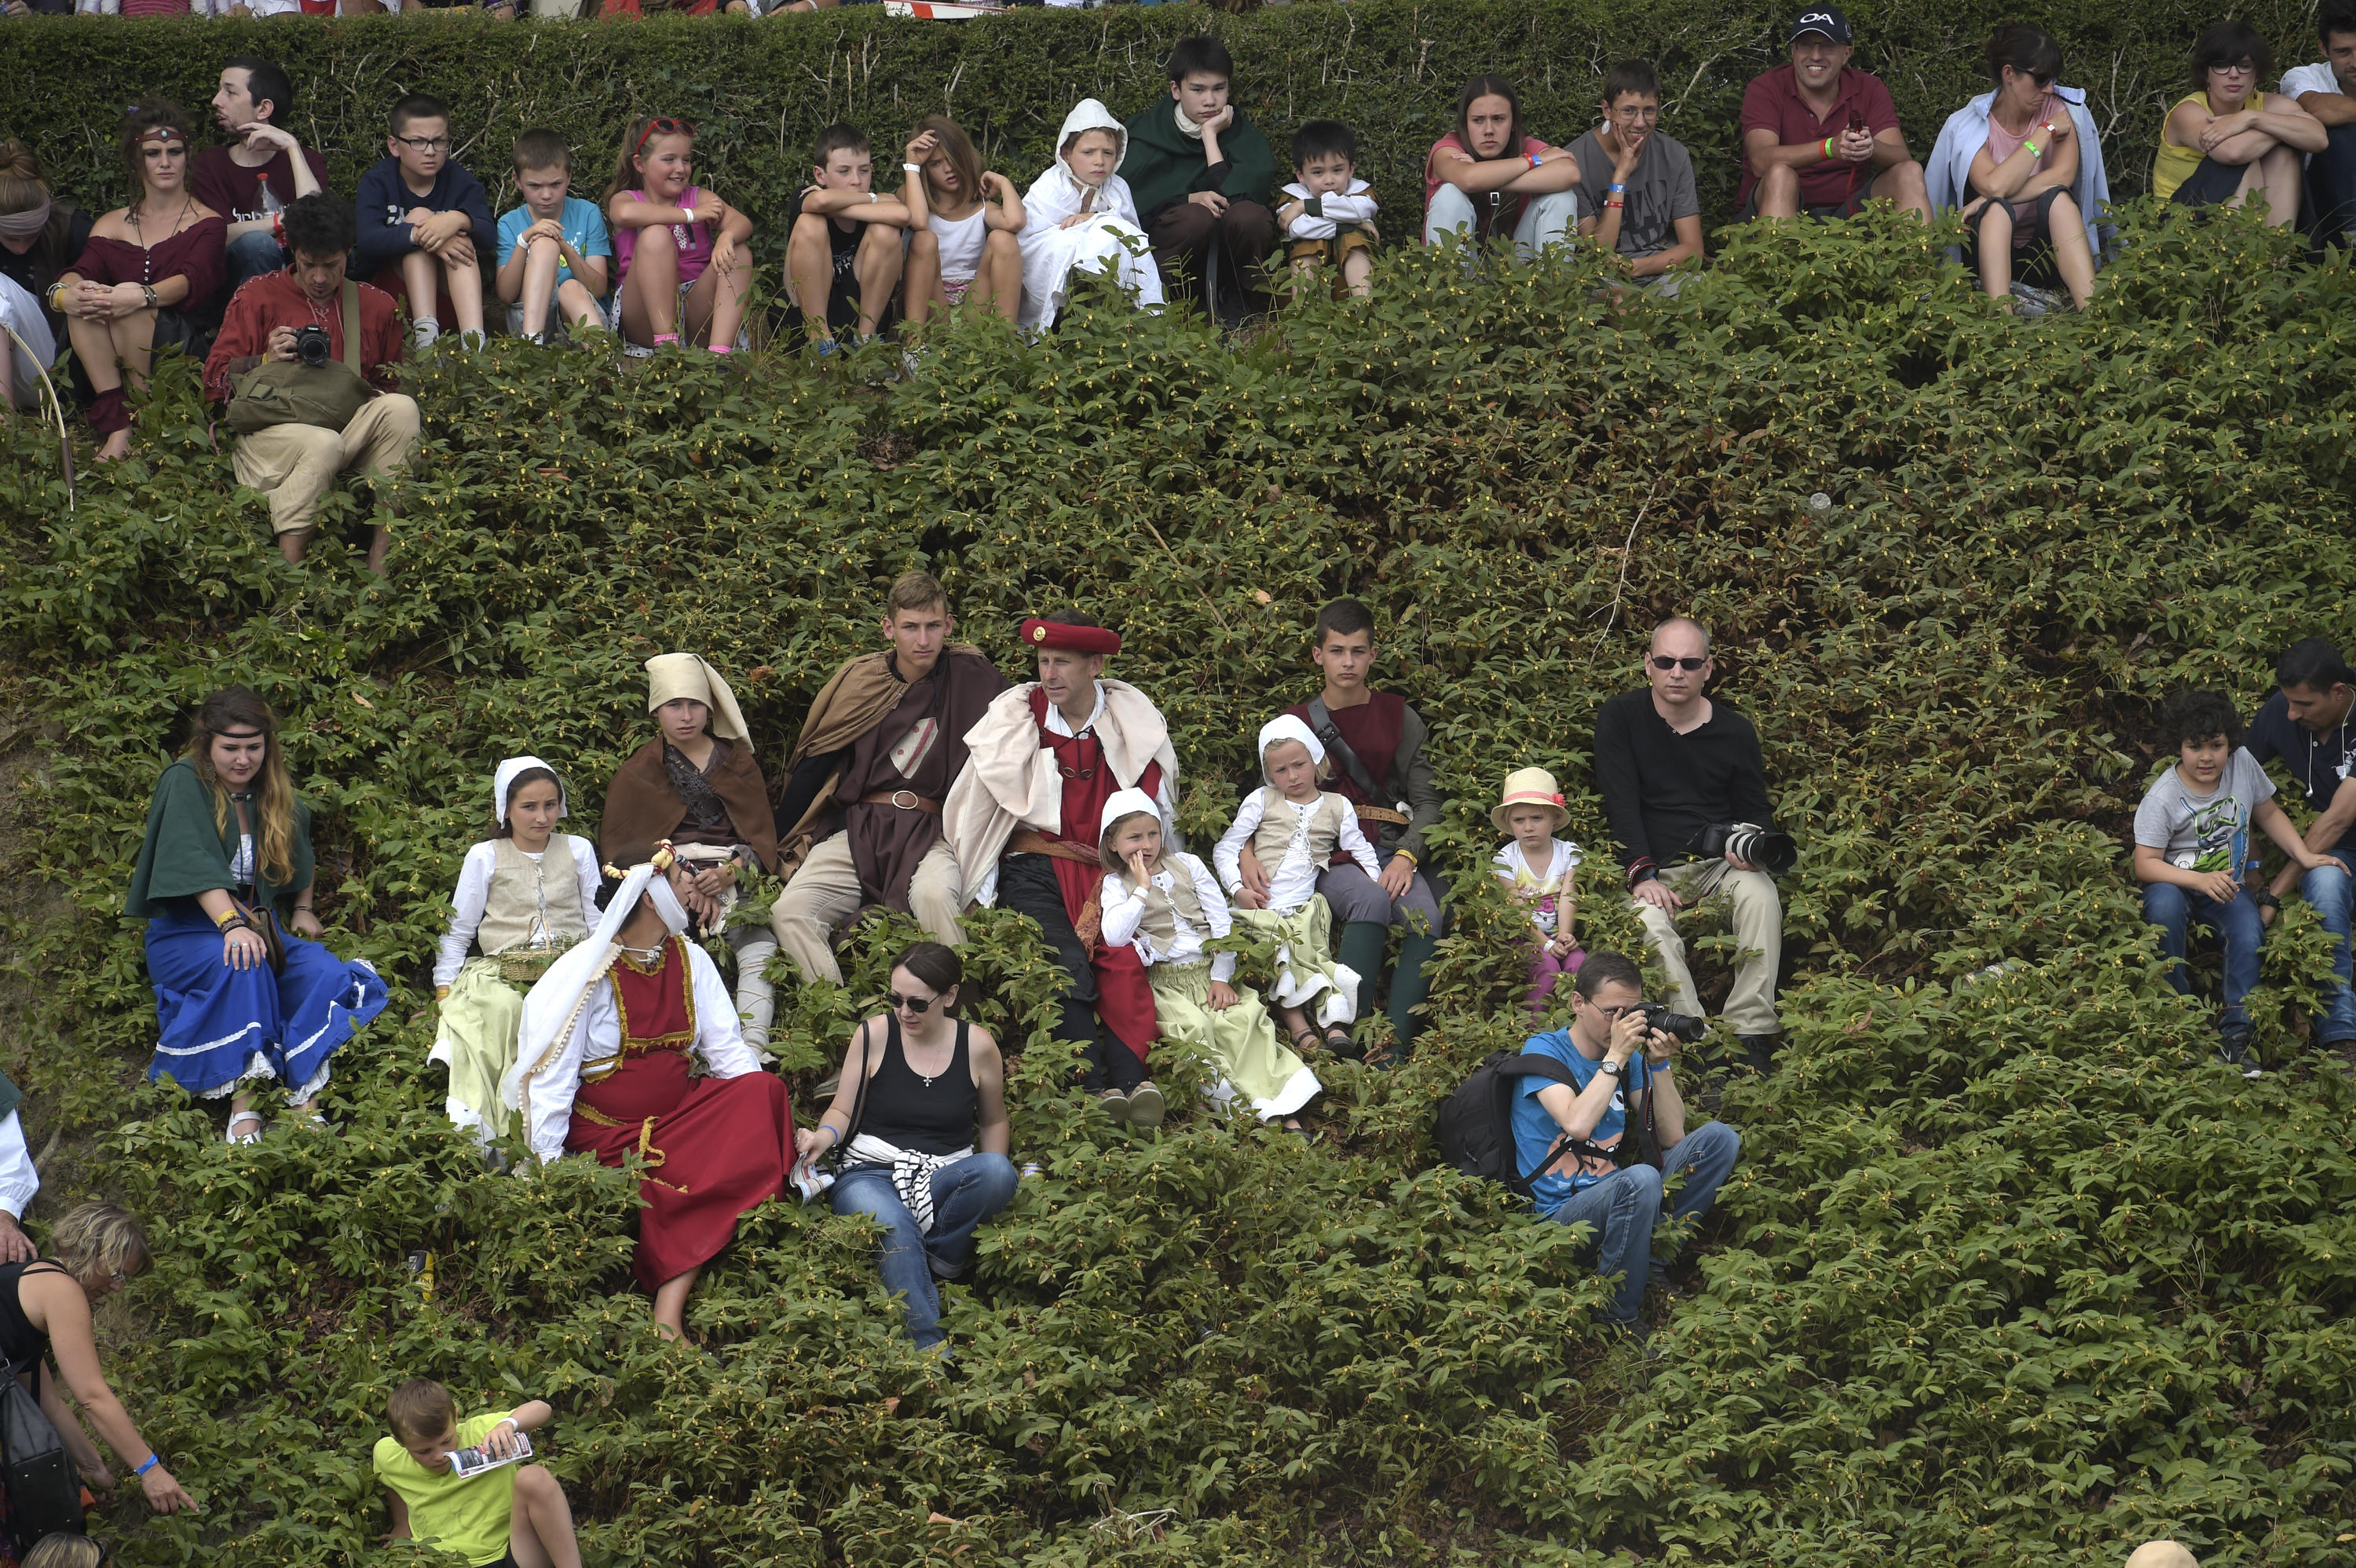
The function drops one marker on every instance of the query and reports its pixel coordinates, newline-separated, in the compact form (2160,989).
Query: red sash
(1124,998)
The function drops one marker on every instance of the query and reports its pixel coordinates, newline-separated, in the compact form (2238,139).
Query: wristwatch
(2265,899)
(1613,1068)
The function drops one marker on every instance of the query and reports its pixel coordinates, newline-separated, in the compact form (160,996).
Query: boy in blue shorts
(555,256)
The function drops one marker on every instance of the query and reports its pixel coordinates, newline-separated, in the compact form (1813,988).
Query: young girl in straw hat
(1536,867)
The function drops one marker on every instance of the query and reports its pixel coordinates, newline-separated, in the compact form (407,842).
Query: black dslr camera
(312,347)
(1770,850)
(1679,1026)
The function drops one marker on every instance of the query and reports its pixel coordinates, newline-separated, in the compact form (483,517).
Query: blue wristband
(154,1459)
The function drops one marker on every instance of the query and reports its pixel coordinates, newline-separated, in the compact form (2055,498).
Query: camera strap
(352,327)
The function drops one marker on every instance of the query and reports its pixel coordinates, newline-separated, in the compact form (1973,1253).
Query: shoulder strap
(1321,721)
(1531,1065)
(352,327)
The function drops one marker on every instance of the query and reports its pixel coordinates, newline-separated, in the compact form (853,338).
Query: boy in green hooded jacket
(1201,174)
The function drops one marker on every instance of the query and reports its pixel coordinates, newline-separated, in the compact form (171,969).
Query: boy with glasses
(1671,765)
(424,221)
(1636,194)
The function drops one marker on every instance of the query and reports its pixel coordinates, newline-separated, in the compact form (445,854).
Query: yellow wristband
(441,992)
(1409,856)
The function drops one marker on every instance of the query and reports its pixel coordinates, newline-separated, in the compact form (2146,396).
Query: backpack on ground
(283,391)
(43,1488)
(1477,1123)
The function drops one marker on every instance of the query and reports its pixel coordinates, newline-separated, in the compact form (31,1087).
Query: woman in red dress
(603,1069)
(152,276)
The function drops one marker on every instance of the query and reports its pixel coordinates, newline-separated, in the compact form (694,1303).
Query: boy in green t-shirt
(514,1516)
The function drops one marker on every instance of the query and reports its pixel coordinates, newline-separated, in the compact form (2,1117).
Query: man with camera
(1570,1138)
(1685,789)
(309,408)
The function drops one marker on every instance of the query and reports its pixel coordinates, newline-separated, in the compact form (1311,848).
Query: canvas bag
(283,391)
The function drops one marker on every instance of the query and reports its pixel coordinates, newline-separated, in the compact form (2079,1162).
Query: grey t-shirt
(2204,832)
(1660,190)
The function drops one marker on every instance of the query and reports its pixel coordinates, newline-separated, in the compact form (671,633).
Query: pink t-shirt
(694,241)
(1509,211)
(2002,144)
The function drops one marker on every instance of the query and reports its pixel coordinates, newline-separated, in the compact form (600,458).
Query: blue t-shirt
(1535,1131)
(584,230)
(2320,763)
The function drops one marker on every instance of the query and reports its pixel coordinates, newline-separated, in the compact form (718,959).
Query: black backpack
(1476,1126)
(43,1488)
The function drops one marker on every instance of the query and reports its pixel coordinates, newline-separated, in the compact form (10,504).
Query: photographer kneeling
(1566,1139)
(1685,789)
(310,403)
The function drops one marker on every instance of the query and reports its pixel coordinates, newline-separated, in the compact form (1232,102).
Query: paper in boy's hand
(810,1180)
(469,1461)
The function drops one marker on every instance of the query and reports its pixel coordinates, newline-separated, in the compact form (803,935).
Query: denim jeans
(1626,1209)
(252,255)
(1548,219)
(2175,910)
(2332,890)
(2332,184)
(964,1195)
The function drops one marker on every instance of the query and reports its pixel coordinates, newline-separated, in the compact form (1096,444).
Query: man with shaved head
(1672,765)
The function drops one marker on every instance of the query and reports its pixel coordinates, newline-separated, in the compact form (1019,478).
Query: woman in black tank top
(45,1316)
(917,1132)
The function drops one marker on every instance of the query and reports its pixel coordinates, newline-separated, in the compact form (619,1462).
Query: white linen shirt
(1124,916)
(472,894)
(1292,882)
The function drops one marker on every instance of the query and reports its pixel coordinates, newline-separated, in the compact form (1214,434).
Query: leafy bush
(2011,1271)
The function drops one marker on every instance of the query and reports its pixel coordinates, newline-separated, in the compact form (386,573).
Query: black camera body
(1770,850)
(1679,1026)
(312,347)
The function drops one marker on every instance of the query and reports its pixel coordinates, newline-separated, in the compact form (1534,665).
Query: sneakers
(1115,1105)
(1145,1106)
(2233,1049)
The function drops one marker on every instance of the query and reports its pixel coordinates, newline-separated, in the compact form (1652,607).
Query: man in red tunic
(1023,819)
(1376,744)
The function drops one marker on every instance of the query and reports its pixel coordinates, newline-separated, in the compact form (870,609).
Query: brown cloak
(642,809)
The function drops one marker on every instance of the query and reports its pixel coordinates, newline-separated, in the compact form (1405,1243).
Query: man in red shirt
(294,465)
(262,171)
(1820,138)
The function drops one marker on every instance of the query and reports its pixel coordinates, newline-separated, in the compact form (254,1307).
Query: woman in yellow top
(2229,140)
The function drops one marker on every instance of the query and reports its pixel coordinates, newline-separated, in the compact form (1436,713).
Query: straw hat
(1530,787)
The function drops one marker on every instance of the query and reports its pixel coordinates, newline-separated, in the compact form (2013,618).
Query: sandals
(255,1136)
(1339,1041)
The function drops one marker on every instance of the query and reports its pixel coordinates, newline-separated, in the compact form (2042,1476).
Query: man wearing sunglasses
(1671,765)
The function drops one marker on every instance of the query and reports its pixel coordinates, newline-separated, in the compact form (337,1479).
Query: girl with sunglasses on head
(682,253)
(920,1119)
(153,275)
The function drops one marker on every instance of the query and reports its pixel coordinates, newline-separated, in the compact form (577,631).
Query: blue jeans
(1548,219)
(252,255)
(2175,910)
(2332,184)
(964,1195)
(2332,891)
(1626,1209)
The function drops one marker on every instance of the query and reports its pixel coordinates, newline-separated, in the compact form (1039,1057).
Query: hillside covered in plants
(2012,1271)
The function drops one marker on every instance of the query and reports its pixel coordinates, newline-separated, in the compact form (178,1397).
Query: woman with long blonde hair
(243,990)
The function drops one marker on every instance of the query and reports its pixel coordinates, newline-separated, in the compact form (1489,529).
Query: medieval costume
(869,775)
(607,1035)
(1169,921)
(521,910)
(218,1026)
(711,816)
(1025,818)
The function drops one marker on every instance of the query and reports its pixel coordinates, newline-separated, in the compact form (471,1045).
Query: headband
(27,224)
(162,134)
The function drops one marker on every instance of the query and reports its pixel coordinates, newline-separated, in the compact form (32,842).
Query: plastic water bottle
(270,202)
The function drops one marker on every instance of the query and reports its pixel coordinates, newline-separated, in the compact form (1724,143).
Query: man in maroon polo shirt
(1820,138)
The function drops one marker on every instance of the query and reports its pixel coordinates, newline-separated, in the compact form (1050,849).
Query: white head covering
(670,677)
(554,1003)
(504,779)
(1089,114)
(1287,727)
(1126,803)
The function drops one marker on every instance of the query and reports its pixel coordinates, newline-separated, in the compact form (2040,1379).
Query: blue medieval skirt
(219,1024)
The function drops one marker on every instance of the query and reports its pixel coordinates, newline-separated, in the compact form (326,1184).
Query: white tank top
(960,240)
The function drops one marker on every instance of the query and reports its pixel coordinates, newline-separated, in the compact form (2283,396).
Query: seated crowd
(1183,196)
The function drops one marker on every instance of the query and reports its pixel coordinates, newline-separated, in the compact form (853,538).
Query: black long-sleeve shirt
(1661,789)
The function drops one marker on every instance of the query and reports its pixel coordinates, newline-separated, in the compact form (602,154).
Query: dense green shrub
(2011,1272)
(761,90)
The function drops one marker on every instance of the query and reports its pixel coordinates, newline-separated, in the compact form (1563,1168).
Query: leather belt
(1382,813)
(1029,841)
(906,799)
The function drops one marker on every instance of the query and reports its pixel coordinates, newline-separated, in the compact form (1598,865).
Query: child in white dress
(1079,214)
(524,895)
(1169,906)
(1536,867)
(1294,829)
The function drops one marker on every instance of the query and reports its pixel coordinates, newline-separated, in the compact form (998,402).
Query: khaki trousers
(1758,913)
(295,464)
(826,891)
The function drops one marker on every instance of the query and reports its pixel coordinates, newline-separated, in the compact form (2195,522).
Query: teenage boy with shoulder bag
(307,364)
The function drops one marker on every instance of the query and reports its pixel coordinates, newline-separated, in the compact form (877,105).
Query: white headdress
(553,1006)
(670,677)
(504,779)
(1289,727)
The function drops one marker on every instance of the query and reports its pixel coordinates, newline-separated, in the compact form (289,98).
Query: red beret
(1038,634)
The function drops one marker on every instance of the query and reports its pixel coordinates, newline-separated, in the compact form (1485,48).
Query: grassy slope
(2006,1277)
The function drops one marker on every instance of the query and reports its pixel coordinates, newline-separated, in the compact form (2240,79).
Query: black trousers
(1027,885)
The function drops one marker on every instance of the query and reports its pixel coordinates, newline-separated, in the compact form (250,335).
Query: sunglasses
(917,1005)
(1663,661)
(665,126)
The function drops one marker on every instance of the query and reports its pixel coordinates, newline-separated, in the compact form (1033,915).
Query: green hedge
(762,90)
